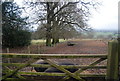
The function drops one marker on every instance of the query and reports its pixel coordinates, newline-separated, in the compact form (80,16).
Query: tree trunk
(55,32)
(55,41)
(48,42)
(58,40)
(48,31)
(48,37)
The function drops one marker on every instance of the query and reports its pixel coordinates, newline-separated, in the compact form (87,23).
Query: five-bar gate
(16,74)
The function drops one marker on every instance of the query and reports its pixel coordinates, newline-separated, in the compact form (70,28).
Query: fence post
(7,50)
(112,63)
(28,49)
(38,49)
(119,56)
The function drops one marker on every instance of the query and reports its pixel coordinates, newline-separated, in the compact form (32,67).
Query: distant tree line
(99,35)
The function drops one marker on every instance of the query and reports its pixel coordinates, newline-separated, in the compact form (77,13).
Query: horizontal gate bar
(64,66)
(37,56)
(60,74)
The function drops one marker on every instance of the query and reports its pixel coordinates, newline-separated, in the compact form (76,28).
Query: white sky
(105,17)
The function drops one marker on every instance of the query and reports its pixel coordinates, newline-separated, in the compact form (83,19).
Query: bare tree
(61,16)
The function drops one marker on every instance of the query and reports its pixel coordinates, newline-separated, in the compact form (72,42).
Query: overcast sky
(105,17)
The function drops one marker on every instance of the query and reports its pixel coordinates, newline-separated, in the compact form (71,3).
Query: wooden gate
(17,74)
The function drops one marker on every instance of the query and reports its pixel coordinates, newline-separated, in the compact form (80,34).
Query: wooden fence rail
(111,74)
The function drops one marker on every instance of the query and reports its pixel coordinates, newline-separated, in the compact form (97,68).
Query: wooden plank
(60,74)
(32,78)
(57,74)
(38,56)
(41,73)
(15,79)
(112,69)
(64,66)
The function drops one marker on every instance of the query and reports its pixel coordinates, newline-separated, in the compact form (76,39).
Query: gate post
(112,63)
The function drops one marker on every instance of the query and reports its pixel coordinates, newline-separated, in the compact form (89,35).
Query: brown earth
(80,47)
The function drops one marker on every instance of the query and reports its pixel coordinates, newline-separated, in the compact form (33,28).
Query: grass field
(42,41)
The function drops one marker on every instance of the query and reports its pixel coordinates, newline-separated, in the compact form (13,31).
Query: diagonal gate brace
(63,70)
(77,73)
(16,70)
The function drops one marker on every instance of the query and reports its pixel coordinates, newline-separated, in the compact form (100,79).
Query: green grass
(41,41)
(62,40)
